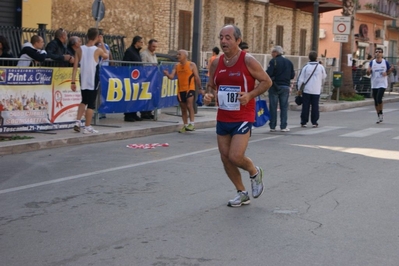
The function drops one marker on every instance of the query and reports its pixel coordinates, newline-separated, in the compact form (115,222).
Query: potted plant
(368,5)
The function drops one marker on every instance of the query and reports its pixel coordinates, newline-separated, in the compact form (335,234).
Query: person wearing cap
(281,71)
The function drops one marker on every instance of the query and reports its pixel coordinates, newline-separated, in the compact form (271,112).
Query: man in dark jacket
(56,49)
(132,54)
(32,52)
(281,71)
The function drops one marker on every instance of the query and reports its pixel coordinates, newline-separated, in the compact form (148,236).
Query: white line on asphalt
(385,111)
(313,131)
(59,180)
(351,110)
(365,132)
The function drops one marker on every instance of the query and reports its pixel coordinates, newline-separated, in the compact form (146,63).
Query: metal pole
(98,12)
(315,41)
(196,58)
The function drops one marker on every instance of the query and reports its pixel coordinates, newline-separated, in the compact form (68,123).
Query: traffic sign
(98,10)
(341,38)
(342,25)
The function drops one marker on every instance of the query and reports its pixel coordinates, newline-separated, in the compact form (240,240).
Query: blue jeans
(276,96)
(310,100)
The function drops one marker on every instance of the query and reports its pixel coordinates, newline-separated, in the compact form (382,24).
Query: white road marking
(365,132)
(353,110)
(318,130)
(385,111)
(59,180)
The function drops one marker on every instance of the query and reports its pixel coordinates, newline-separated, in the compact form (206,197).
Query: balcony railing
(379,8)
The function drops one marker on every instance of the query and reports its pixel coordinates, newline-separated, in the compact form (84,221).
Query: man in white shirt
(313,74)
(379,69)
(88,56)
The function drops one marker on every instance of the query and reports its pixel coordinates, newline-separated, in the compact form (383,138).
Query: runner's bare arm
(259,74)
(210,90)
(78,55)
(170,75)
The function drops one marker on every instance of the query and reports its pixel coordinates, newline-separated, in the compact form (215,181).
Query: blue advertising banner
(168,91)
(136,88)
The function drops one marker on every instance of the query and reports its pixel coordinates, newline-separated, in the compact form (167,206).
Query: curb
(126,133)
(334,106)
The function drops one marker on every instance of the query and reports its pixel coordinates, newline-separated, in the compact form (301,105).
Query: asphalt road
(331,199)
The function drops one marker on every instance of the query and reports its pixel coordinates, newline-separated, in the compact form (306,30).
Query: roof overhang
(308,6)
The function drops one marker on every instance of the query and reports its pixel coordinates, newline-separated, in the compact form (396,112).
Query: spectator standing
(56,49)
(88,57)
(232,77)
(74,44)
(132,54)
(5,52)
(281,71)
(379,69)
(149,56)
(188,77)
(32,52)
(312,90)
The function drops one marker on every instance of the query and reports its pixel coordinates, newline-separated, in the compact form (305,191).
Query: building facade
(264,23)
(374,25)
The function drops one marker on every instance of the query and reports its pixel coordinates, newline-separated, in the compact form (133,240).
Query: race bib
(228,97)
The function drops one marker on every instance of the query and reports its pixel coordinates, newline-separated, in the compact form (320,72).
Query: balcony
(378,9)
(308,5)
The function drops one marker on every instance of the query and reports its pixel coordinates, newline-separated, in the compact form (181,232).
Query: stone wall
(160,20)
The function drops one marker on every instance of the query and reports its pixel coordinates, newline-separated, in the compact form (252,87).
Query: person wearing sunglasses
(379,69)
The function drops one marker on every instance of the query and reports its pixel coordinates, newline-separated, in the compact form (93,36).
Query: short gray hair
(278,49)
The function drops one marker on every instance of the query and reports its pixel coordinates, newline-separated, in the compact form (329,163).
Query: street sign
(341,38)
(98,10)
(342,25)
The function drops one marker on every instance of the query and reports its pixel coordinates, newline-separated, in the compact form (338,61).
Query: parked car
(166,57)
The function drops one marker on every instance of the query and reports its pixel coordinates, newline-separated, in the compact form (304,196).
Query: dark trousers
(310,100)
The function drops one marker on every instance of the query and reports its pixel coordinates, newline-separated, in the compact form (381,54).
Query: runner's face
(227,40)
(180,56)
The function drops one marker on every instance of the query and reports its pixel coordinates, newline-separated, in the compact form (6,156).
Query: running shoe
(182,130)
(240,199)
(285,129)
(89,130)
(190,127)
(76,127)
(378,119)
(272,130)
(257,183)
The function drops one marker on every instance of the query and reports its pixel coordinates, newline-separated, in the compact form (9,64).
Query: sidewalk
(114,128)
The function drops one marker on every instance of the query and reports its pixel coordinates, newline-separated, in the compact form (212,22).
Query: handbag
(298,98)
(262,114)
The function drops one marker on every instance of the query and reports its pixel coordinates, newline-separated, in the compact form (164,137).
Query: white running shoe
(89,130)
(257,183)
(241,198)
